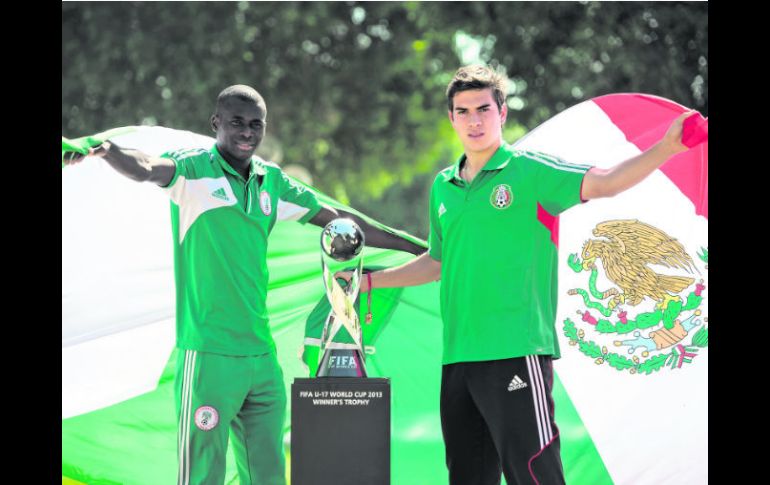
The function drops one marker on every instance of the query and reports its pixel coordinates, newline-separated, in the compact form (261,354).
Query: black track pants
(499,416)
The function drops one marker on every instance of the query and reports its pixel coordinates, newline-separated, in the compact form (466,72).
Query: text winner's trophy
(342,243)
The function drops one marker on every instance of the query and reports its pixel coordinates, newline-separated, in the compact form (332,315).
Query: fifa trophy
(342,243)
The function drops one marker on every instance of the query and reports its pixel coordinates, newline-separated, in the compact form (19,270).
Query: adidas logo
(441,210)
(516,384)
(220,194)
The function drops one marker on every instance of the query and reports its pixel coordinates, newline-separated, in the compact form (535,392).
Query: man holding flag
(492,246)
(225,202)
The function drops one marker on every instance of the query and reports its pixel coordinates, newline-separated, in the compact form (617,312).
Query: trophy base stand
(341,363)
(340,431)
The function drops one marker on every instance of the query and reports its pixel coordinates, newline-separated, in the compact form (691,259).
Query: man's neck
(475,161)
(243,170)
(242,167)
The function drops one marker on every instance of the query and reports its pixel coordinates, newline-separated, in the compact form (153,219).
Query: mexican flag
(631,387)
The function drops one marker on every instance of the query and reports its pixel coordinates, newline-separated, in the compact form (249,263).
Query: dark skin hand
(374,236)
(134,164)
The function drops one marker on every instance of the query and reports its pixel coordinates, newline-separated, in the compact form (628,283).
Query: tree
(355,90)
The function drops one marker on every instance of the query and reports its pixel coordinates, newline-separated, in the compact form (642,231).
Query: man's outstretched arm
(375,236)
(422,269)
(134,164)
(600,183)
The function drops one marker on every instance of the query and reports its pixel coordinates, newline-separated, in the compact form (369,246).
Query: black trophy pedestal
(340,431)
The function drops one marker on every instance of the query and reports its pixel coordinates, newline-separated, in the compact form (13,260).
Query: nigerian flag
(630,390)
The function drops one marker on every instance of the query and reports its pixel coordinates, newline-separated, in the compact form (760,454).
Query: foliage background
(355,90)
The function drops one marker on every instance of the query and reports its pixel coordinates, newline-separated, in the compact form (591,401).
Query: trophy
(358,411)
(342,242)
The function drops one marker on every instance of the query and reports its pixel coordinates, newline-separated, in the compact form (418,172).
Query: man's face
(477,120)
(240,127)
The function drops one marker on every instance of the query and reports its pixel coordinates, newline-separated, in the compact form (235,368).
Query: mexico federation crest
(264,203)
(501,197)
(643,308)
(206,418)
